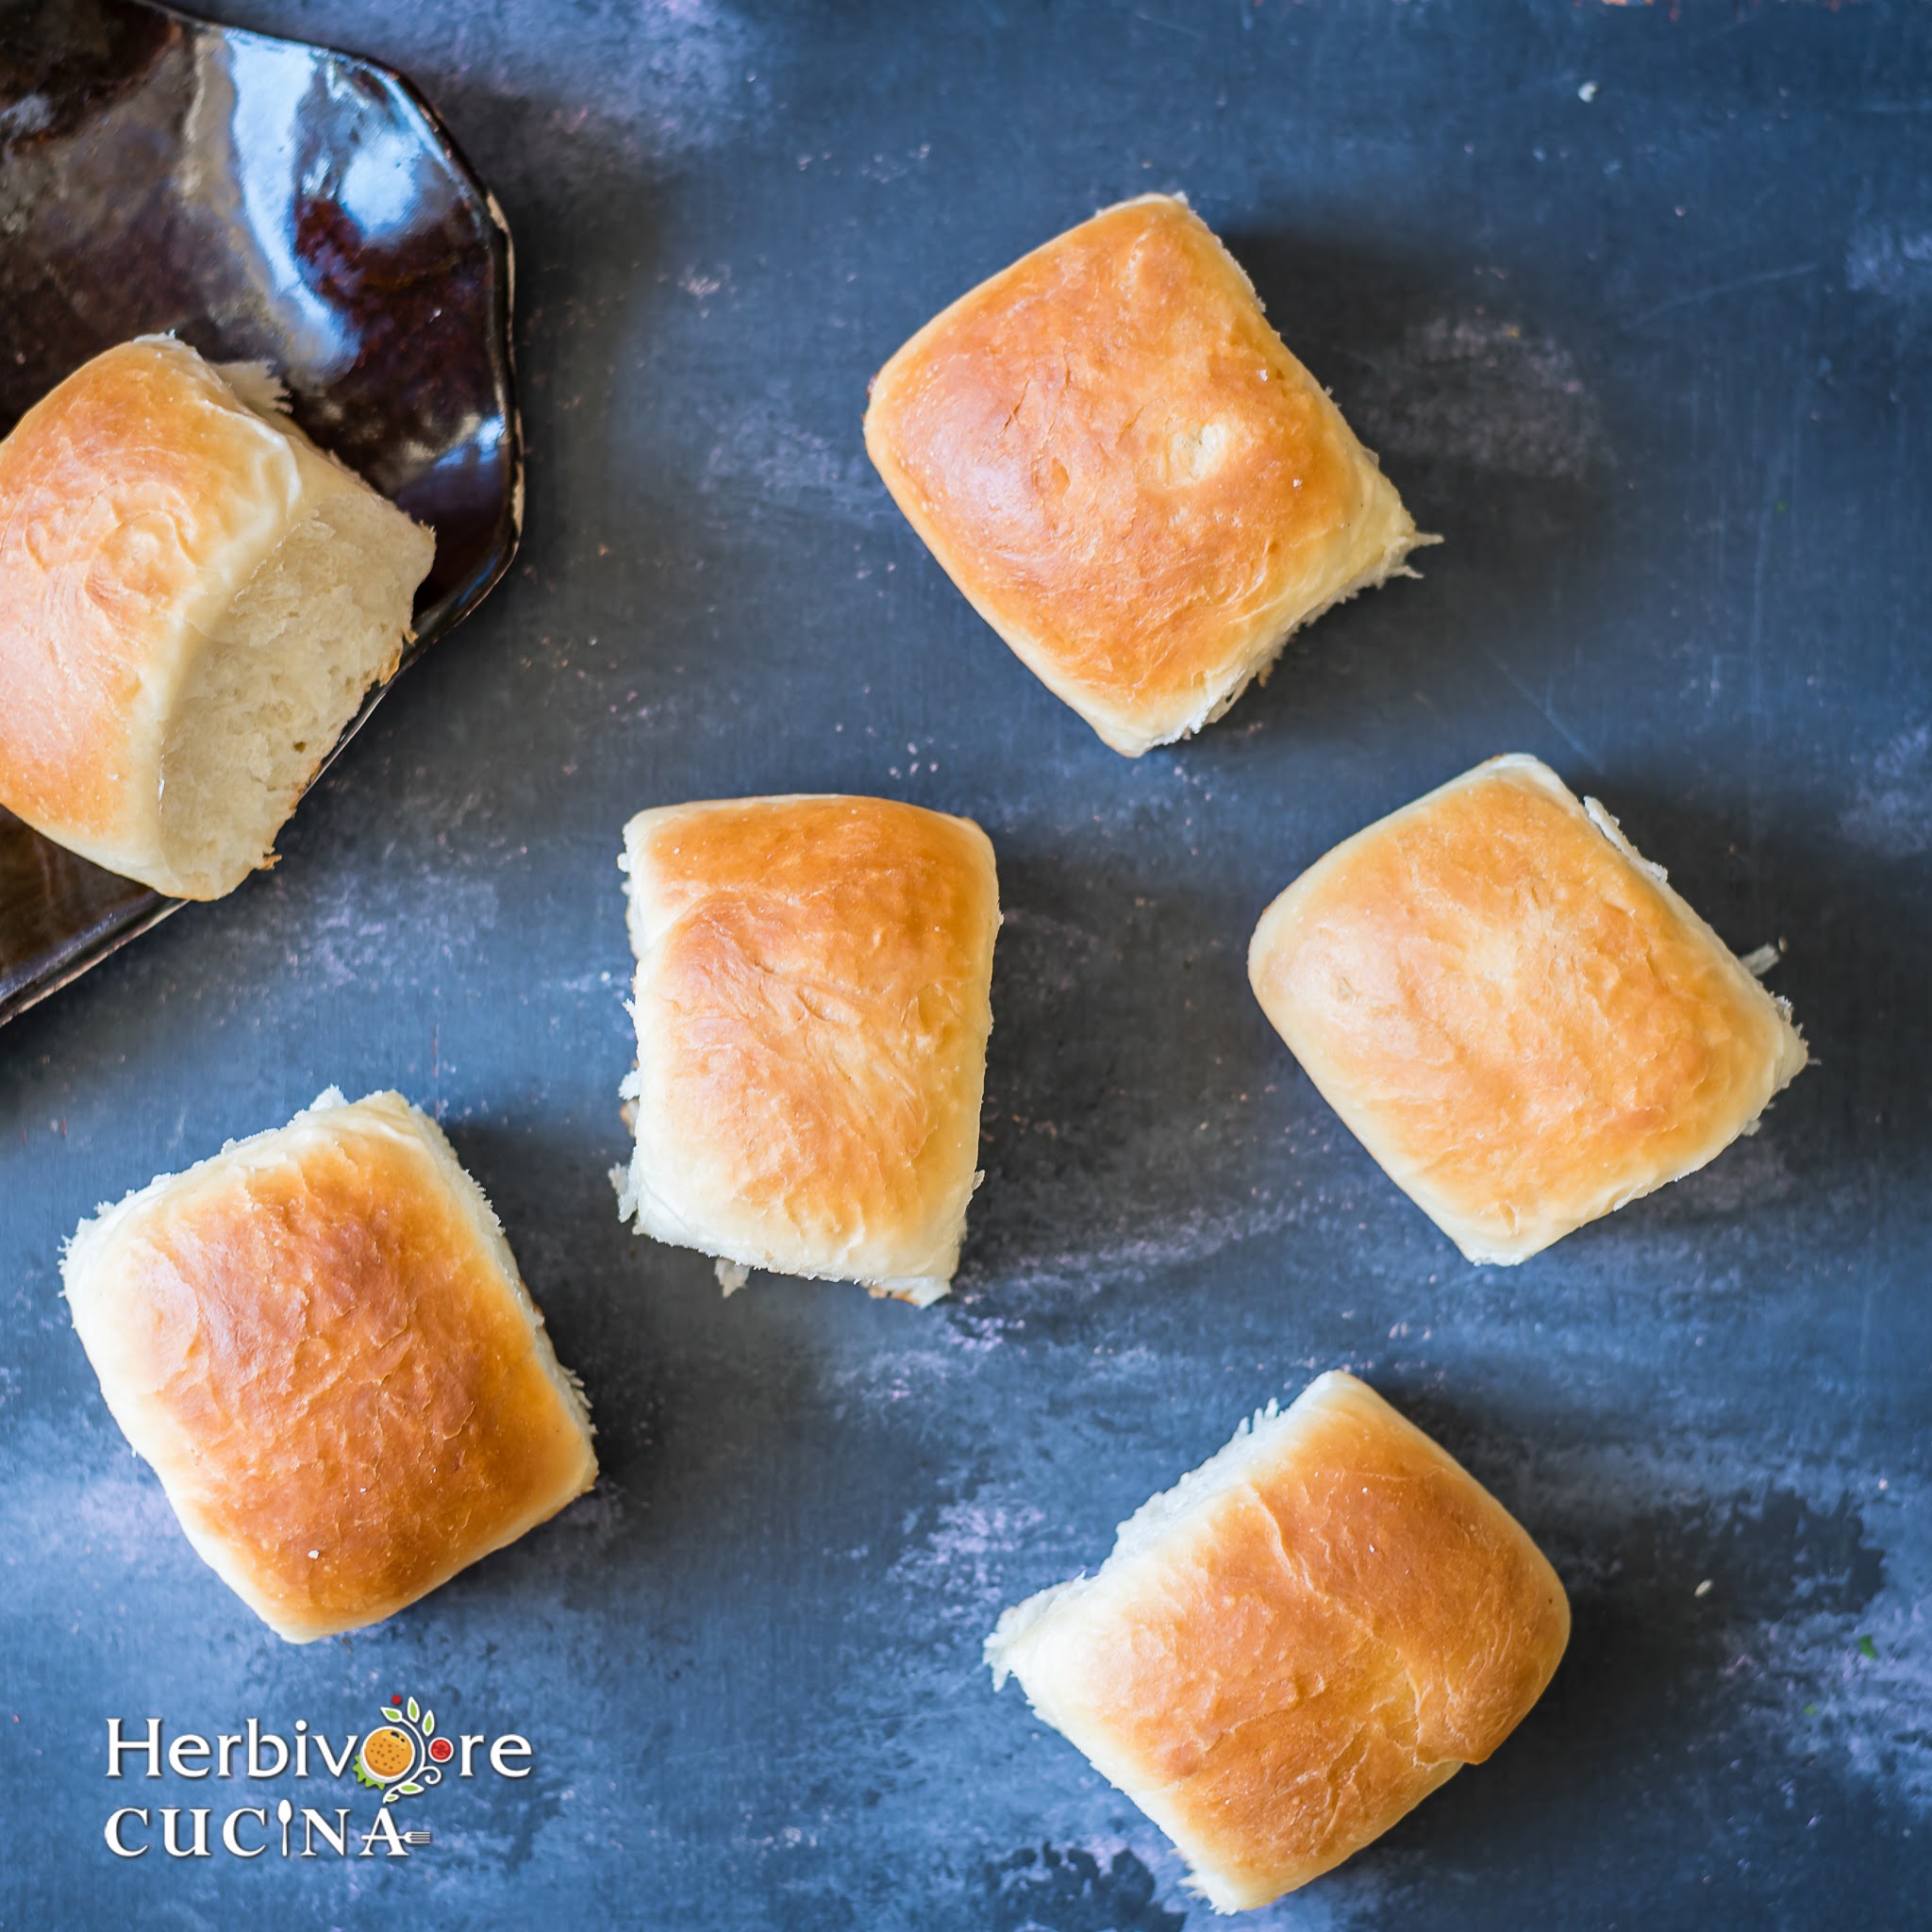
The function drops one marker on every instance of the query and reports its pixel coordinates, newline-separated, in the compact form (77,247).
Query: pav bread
(1514,1012)
(1297,1643)
(812,1006)
(194,601)
(320,1340)
(1117,460)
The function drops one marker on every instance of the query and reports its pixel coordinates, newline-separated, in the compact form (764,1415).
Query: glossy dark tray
(262,199)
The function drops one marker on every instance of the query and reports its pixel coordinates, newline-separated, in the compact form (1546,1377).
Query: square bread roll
(1117,460)
(193,602)
(812,1006)
(1297,1643)
(320,1340)
(1513,1011)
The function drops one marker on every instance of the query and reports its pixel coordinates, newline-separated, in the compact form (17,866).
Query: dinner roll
(1132,480)
(193,600)
(812,1006)
(320,1340)
(1296,1644)
(1514,1012)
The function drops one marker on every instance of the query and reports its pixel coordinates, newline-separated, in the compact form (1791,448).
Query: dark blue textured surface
(1655,363)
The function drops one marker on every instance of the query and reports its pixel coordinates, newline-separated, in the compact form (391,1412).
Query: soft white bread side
(1297,1643)
(1514,1012)
(320,1340)
(812,1006)
(194,601)
(1116,459)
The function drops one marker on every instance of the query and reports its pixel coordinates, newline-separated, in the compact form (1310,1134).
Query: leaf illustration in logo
(414,1710)
(429,1724)
(393,1715)
(409,1790)
(363,1778)
(389,1797)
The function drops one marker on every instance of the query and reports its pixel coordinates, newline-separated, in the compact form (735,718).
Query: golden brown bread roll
(1295,1646)
(812,1006)
(320,1340)
(1116,459)
(1514,1012)
(194,601)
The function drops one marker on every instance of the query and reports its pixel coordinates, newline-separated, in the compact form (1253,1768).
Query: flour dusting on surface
(963,1560)
(1481,391)
(1892,814)
(773,460)
(1883,260)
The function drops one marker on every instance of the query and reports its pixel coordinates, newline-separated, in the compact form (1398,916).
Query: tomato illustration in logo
(404,1756)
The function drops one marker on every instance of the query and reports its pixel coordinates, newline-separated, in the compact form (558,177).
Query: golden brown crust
(1116,459)
(812,1006)
(123,494)
(1280,1670)
(138,501)
(327,1358)
(1514,1014)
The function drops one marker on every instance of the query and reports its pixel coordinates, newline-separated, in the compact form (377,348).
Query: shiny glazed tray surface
(264,200)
